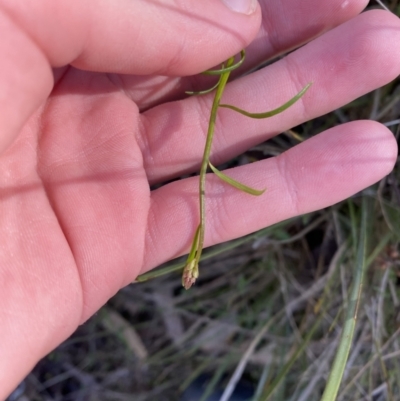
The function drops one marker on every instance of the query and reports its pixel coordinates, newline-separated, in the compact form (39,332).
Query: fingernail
(242,6)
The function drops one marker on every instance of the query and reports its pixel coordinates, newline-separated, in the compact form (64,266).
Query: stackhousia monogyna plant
(191,269)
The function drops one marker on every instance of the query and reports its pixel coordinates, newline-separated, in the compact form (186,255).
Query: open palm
(78,219)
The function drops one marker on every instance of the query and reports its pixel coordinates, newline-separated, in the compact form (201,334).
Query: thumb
(168,37)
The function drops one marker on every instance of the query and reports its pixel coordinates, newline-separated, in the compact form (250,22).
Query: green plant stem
(191,270)
(286,367)
(342,354)
(206,157)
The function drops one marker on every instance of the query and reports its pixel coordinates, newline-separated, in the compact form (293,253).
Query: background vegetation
(270,306)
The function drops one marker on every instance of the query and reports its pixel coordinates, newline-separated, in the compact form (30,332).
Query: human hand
(78,220)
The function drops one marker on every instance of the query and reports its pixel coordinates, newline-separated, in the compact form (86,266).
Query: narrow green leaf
(223,70)
(342,353)
(204,92)
(272,112)
(236,184)
(191,269)
(193,248)
(391,213)
(283,374)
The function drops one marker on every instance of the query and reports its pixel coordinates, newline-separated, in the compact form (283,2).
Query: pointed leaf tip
(270,113)
(236,184)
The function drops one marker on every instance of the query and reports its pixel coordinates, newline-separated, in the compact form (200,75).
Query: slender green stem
(206,157)
(342,354)
(191,270)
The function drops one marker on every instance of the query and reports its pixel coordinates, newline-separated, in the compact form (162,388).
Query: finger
(173,135)
(25,79)
(285,25)
(137,37)
(315,174)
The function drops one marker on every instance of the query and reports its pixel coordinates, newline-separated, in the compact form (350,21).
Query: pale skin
(77,218)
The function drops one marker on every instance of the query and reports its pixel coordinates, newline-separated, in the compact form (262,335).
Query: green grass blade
(271,112)
(236,184)
(342,354)
(193,248)
(354,224)
(391,214)
(230,68)
(215,380)
(204,92)
(285,369)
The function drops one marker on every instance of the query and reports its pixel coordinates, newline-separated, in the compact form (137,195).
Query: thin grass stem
(339,364)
